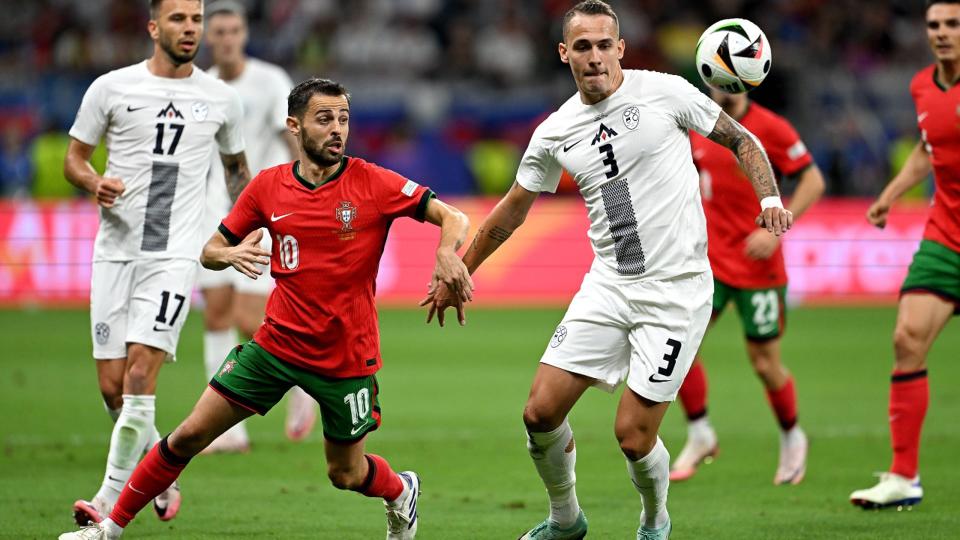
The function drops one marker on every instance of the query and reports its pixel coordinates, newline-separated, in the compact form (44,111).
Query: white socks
(112,529)
(651,477)
(554,454)
(216,347)
(134,429)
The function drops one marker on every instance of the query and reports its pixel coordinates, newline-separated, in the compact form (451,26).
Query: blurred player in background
(748,270)
(233,301)
(160,119)
(930,294)
(644,305)
(331,213)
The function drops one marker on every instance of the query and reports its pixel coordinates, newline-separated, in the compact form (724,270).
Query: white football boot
(95,531)
(402,513)
(793,457)
(891,491)
(701,447)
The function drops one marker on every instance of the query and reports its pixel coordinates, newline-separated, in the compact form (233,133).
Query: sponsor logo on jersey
(274,217)
(169,112)
(603,133)
(101,333)
(227,367)
(631,117)
(346,214)
(566,148)
(409,188)
(558,336)
(135,109)
(199,110)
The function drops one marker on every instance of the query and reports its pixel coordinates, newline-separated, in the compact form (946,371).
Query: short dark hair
(225,7)
(155,7)
(591,7)
(301,94)
(932,2)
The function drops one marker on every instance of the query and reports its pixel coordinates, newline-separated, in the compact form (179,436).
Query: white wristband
(770,202)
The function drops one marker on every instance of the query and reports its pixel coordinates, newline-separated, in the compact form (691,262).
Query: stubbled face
(943,31)
(177,28)
(593,48)
(728,102)
(324,128)
(227,36)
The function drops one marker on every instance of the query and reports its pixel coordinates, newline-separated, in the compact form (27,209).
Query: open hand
(775,220)
(246,255)
(439,299)
(452,273)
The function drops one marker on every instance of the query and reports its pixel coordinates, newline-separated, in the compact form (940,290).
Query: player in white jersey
(233,301)
(644,305)
(159,119)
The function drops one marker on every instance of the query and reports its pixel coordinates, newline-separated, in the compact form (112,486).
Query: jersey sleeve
(785,148)
(230,135)
(692,108)
(93,115)
(398,196)
(539,170)
(245,216)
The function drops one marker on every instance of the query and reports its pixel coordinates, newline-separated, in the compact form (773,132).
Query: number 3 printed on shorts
(671,359)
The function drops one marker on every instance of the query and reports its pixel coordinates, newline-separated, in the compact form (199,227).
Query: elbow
(206,259)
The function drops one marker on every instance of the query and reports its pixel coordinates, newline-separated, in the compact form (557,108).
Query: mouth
(335,147)
(187,44)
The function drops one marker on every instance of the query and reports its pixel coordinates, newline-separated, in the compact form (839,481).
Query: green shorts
(256,380)
(935,269)
(763,312)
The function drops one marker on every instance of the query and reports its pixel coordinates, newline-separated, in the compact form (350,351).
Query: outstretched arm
(761,244)
(914,171)
(237,173)
(218,254)
(753,160)
(449,270)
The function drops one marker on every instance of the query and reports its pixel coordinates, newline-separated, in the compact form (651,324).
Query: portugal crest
(346,214)
(227,367)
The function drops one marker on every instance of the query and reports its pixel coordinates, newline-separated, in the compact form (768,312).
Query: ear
(153,29)
(293,126)
(621,47)
(562,49)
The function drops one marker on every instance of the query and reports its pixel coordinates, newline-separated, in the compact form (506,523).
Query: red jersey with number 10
(938,116)
(730,202)
(327,243)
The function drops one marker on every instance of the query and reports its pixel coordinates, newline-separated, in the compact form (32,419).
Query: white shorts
(230,277)
(645,332)
(144,301)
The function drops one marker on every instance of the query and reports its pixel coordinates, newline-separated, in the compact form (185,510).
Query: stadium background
(448,92)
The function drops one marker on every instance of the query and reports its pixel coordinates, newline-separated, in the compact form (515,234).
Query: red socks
(784,404)
(909,397)
(159,468)
(381,480)
(693,392)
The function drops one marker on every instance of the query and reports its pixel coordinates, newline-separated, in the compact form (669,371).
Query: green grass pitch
(452,400)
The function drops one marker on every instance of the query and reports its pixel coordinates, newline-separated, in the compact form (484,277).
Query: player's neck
(317,174)
(229,71)
(161,65)
(948,73)
(593,99)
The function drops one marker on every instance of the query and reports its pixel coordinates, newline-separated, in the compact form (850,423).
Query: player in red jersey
(930,295)
(328,215)
(748,270)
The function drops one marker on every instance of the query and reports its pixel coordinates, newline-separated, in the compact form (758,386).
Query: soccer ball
(733,56)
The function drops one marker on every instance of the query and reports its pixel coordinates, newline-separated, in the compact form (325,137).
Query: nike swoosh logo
(356,430)
(131,109)
(652,379)
(567,148)
(114,479)
(155,329)
(274,217)
(135,489)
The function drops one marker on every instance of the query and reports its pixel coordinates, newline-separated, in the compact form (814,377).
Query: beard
(317,153)
(169,46)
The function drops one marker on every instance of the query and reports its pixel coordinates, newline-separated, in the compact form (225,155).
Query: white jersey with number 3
(159,133)
(630,156)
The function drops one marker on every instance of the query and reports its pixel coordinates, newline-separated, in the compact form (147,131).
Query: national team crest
(227,367)
(631,117)
(346,214)
(199,110)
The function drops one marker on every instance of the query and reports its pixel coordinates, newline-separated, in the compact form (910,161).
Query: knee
(909,347)
(112,392)
(344,477)
(635,441)
(539,418)
(763,364)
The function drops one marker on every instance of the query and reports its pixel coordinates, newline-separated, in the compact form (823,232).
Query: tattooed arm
(509,214)
(236,172)
(753,160)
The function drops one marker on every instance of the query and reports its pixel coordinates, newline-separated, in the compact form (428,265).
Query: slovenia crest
(199,110)
(631,118)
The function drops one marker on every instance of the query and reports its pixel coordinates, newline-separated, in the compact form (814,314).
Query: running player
(644,305)
(329,215)
(748,269)
(930,295)
(160,119)
(233,301)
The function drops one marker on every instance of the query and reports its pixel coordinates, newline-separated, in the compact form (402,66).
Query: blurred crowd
(448,91)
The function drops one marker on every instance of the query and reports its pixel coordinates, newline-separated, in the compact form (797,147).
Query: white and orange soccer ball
(733,56)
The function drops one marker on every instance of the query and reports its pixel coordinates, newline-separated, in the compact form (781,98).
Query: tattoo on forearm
(237,174)
(499,234)
(753,160)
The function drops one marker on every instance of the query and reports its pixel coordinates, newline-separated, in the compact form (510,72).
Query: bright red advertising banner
(833,255)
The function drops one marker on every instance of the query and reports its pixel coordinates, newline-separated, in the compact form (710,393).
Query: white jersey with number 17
(159,132)
(630,156)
